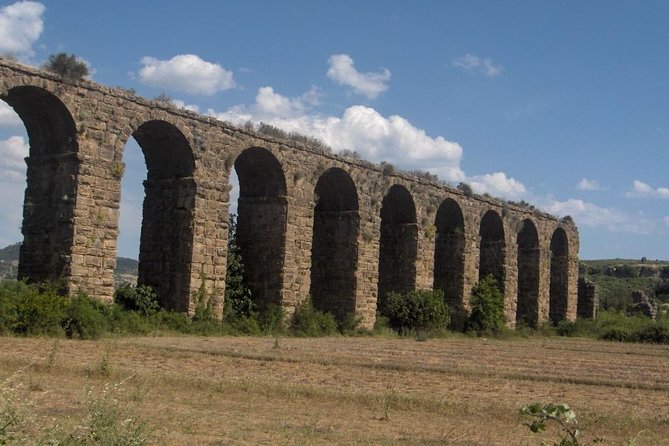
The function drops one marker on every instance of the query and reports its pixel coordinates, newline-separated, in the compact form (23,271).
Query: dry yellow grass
(195,390)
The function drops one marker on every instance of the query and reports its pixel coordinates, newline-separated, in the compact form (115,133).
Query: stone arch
(492,248)
(449,253)
(334,248)
(52,175)
(559,285)
(398,244)
(166,239)
(527,310)
(261,223)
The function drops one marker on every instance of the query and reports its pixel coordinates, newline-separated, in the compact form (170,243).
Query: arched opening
(559,289)
(398,244)
(492,249)
(334,248)
(449,253)
(51,183)
(261,223)
(527,310)
(166,238)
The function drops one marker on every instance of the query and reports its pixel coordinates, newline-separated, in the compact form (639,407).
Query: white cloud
(362,129)
(186,72)
(499,185)
(666,220)
(586,184)
(8,117)
(12,154)
(21,25)
(475,64)
(590,214)
(181,104)
(645,190)
(343,72)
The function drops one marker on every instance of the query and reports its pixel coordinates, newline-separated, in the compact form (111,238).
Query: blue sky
(562,104)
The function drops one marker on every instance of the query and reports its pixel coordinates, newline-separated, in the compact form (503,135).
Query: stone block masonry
(310,223)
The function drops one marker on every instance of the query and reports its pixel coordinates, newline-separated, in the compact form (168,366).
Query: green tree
(67,66)
(422,310)
(238,299)
(487,307)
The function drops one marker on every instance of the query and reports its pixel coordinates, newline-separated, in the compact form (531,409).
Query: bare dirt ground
(237,390)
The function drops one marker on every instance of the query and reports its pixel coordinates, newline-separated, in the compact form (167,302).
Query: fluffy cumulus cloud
(475,64)
(186,72)
(586,184)
(590,214)
(362,129)
(645,190)
(8,117)
(342,71)
(499,185)
(12,153)
(21,25)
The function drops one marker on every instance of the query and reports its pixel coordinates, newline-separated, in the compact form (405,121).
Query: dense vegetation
(615,280)
(40,310)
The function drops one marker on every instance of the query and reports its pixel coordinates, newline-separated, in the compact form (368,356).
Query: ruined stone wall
(324,241)
(588,299)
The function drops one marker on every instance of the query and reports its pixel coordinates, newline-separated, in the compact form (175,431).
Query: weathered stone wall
(588,299)
(300,237)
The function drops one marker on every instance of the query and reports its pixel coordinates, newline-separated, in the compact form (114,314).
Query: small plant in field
(67,66)
(107,422)
(487,308)
(541,415)
(51,358)
(387,402)
(11,418)
(104,367)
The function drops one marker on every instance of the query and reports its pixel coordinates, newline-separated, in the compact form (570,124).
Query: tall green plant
(487,307)
(238,299)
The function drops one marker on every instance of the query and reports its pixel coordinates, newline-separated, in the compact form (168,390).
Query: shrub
(309,322)
(656,332)
(142,299)
(85,318)
(487,308)
(417,310)
(39,313)
(271,319)
(466,189)
(66,66)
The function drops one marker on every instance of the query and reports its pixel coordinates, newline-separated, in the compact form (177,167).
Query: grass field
(236,390)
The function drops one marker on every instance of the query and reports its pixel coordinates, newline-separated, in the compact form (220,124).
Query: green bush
(271,319)
(309,322)
(487,308)
(418,310)
(142,299)
(68,66)
(38,313)
(85,318)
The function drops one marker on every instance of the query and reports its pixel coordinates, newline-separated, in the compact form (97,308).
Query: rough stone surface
(643,305)
(588,299)
(310,222)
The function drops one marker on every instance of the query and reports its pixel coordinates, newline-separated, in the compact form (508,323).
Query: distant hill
(126,269)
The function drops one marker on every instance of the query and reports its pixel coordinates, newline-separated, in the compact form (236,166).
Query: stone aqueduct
(309,223)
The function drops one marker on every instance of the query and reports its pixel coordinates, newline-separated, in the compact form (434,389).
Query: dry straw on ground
(193,390)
